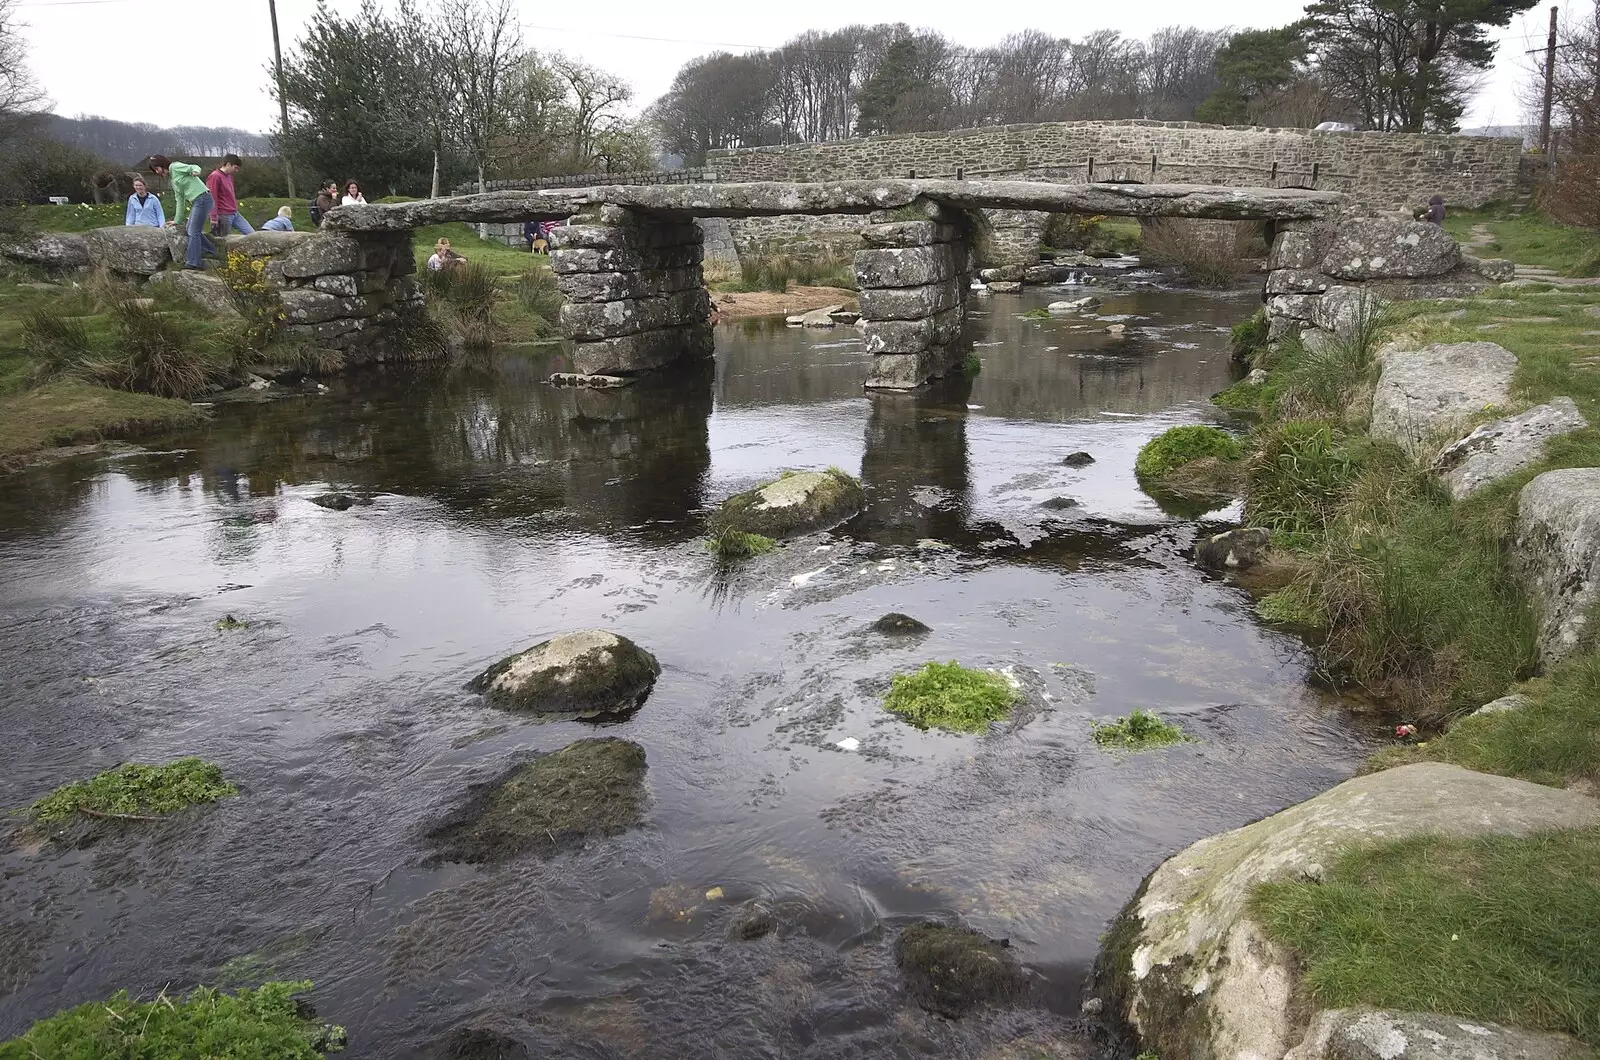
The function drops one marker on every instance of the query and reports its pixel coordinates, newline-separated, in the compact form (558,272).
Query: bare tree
(479,42)
(21,98)
(596,98)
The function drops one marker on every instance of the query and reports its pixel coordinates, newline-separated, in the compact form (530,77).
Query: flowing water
(504,511)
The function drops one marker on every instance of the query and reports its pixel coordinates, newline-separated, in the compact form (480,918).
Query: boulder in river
(1078,459)
(1238,549)
(798,502)
(895,624)
(1074,305)
(480,1043)
(953,970)
(1190,971)
(591,673)
(589,788)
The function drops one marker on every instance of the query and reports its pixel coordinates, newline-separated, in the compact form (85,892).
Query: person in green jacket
(191,197)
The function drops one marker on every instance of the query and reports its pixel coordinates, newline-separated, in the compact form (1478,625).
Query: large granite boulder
(1238,549)
(1344,311)
(796,503)
(138,251)
(266,244)
(1367,1034)
(1373,248)
(587,789)
(1506,446)
(1187,968)
(1423,395)
(589,674)
(53,250)
(203,289)
(1557,556)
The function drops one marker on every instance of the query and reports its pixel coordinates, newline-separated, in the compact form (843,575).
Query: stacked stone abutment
(346,292)
(636,295)
(913,279)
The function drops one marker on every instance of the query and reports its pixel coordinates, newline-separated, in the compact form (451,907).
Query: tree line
(1402,65)
(410,99)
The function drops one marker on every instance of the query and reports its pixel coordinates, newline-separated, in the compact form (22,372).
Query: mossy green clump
(729,544)
(1139,731)
(136,791)
(951,696)
(1170,450)
(952,970)
(1037,314)
(1248,338)
(1496,928)
(589,788)
(264,1024)
(230,623)
(972,366)
(796,502)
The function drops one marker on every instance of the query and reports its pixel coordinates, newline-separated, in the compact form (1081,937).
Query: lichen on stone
(795,503)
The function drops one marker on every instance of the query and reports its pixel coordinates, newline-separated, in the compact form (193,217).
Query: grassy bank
(1411,600)
(72,412)
(1528,239)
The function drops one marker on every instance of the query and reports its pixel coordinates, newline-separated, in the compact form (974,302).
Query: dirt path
(742,305)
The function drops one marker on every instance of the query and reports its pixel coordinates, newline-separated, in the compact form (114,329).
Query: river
(505,511)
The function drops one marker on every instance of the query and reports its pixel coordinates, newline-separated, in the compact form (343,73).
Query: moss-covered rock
(894,624)
(589,674)
(796,503)
(951,970)
(1192,462)
(478,1043)
(589,788)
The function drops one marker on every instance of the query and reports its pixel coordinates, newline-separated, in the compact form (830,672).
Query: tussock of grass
(463,299)
(730,544)
(971,366)
(1037,314)
(135,790)
(1248,339)
(1173,448)
(773,269)
(1205,262)
(1139,731)
(1498,928)
(951,696)
(263,1024)
(1554,740)
(1293,605)
(1298,474)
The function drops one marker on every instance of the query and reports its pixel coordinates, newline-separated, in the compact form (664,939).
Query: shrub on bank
(772,269)
(1205,262)
(263,1024)
(463,299)
(1297,475)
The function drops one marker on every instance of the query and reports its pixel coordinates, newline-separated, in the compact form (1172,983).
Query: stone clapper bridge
(629,261)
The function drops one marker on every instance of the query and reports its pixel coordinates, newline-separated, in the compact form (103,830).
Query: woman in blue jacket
(144,208)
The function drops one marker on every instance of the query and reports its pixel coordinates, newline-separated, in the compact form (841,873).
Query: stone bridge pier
(913,277)
(636,295)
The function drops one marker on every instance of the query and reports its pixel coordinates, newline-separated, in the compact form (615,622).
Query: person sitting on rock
(144,210)
(327,198)
(189,197)
(1435,210)
(281,223)
(444,258)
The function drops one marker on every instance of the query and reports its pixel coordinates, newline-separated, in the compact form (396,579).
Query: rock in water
(797,503)
(477,1043)
(895,624)
(952,971)
(1193,974)
(339,502)
(1078,459)
(1074,305)
(1235,550)
(589,788)
(1059,504)
(590,674)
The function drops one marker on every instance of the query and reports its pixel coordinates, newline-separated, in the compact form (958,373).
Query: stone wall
(345,292)
(1379,169)
(914,280)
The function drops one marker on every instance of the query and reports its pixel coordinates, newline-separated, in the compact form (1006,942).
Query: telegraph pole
(283,101)
(1549,87)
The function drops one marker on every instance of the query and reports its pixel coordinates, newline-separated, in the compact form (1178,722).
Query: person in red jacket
(220,184)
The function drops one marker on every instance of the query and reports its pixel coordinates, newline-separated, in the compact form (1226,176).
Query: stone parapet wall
(1379,169)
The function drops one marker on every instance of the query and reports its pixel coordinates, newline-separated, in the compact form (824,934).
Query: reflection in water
(502,511)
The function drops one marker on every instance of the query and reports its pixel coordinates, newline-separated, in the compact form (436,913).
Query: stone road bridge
(629,263)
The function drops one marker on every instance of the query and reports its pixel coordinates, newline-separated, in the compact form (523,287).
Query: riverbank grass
(1528,239)
(1195,462)
(1553,739)
(133,791)
(951,696)
(1495,928)
(71,412)
(262,1024)
(1139,731)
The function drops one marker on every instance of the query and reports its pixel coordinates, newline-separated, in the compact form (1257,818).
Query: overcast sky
(127,59)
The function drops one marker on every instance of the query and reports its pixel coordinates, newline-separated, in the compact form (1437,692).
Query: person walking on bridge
(189,197)
(223,199)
